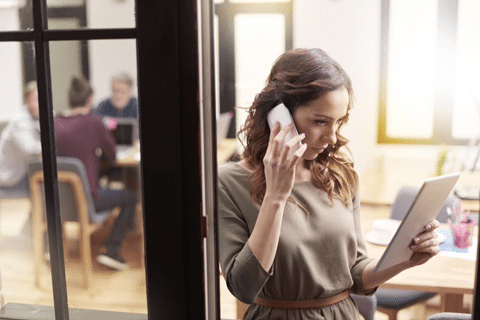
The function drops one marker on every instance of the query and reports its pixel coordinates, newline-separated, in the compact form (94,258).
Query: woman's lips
(320,150)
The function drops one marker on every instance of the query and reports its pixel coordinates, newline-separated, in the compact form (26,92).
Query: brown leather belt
(303,304)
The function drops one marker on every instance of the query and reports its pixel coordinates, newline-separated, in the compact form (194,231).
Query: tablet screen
(425,208)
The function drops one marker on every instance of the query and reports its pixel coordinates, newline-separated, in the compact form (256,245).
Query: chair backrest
(18,191)
(367,305)
(405,197)
(67,188)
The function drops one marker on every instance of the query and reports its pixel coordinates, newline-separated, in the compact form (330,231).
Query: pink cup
(463,234)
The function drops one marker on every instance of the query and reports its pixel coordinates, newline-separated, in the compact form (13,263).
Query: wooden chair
(76,204)
(15,192)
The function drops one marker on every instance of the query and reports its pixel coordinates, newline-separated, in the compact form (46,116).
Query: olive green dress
(320,253)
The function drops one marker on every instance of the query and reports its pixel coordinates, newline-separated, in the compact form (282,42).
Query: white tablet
(426,206)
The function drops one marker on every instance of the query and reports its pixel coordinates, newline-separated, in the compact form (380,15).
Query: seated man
(121,104)
(20,141)
(81,134)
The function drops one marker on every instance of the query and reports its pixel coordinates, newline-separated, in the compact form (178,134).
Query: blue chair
(367,305)
(390,301)
(76,204)
(17,191)
(451,316)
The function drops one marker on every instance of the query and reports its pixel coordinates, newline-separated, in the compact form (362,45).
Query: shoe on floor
(112,261)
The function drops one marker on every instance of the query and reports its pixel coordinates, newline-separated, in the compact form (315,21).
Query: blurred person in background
(81,134)
(20,141)
(121,103)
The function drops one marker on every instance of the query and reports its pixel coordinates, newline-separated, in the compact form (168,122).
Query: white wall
(10,67)
(108,57)
(349,30)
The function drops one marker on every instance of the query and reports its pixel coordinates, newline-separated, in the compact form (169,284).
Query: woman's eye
(321,122)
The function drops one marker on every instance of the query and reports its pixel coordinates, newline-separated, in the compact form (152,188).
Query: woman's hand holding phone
(280,161)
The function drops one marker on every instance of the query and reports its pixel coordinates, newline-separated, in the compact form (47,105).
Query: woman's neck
(78,111)
(302,172)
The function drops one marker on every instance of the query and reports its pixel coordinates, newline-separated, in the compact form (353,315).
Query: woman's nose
(330,136)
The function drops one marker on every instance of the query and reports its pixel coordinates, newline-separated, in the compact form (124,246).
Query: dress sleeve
(362,256)
(243,273)
(26,136)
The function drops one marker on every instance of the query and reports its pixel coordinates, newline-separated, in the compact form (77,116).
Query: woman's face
(121,94)
(320,119)
(31,101)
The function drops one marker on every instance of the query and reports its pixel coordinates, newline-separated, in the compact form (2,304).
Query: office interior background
(350,31)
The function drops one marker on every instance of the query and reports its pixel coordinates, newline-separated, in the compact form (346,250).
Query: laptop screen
(124,133)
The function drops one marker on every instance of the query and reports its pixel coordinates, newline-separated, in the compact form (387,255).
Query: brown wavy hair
(298,77)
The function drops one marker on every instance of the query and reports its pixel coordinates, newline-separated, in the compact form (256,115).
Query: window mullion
(52,202)
(445,76)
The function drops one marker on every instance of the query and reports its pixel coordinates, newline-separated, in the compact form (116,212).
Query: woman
(290,238)
(81,134)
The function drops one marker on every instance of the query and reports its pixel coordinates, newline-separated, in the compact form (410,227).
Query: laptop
(223,124)
(125,134)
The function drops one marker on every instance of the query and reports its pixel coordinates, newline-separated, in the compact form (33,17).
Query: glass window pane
(111,14)
(9,15)
(411,69)
(96,123)
(259,40)
(95,15)
(466,112)
(65,3)
(19,143)
(258,1)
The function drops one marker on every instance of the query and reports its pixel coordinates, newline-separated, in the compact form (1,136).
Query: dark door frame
(168,91)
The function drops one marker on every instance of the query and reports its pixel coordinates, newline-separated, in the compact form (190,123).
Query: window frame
(168,86)
(447,14)
(226,12)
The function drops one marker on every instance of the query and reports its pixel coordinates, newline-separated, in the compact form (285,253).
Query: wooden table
(450,277)
(129,167)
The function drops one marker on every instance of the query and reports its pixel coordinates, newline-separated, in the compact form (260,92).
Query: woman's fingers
(274,131)
(297,155)
(293,149)
(426,245)
(277,137)
(432,225)
(428,240)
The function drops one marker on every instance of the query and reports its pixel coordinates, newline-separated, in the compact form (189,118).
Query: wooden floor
(111,290)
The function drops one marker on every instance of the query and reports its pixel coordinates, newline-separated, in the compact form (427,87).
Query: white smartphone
(281,114)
